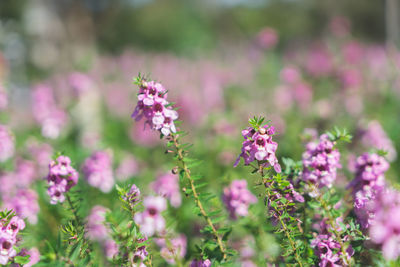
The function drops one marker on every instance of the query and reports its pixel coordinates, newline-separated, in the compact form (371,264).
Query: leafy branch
(184,170)
(280,209)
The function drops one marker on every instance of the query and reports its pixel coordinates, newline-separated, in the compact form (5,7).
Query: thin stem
(199,204)
(333,228)
(79,224)
(284,227)
(74,211)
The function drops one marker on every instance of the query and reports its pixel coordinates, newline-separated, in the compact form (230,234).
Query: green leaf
(22,260)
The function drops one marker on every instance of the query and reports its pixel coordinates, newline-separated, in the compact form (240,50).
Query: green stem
(198,203)
(284,227)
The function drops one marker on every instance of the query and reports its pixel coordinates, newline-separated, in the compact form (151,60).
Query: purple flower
(46,113)
(6,144)
(98,171)
(320,162)
(167,185)
(328,250)
(24,203)
(258,145)
(133,196)
(368,182)
(128,168)
(150,220)
(152,105)
(41,153)
(110,248)
(384,227)
(267,38)
(7,250)
(200,263)
(8,238)
(61,178)
(375,136)
(237,198)
(96,229)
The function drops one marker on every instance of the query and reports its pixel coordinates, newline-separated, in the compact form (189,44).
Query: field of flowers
(244,156)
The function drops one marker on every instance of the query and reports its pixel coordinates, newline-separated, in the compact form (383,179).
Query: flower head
(150,220)
(61,178)
(154,107)
(320,162)
(258,145)
(98,171)
(237,198)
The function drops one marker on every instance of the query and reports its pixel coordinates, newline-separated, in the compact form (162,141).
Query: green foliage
(339,135)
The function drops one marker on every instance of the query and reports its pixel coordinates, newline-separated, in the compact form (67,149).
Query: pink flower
(385,229)
(167,185)
(267,38)
(24,203)
(46,113)
(237,198)
(374,136)
(96,229)
(320,162)
(128,168)
(319,62)
(61,178)
(290,75)
(6,144)
(152,105)
(110,248)
(150,220)
(98,171)
(7,250)
(258,145)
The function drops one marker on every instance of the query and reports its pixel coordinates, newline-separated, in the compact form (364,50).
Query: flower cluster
(153,105)
(328,250)
(368,182)
(6,144)
(237,198)
(320,162)
(326,246)
(167,185)
(150,220)
(8,238)
(98,171)
(61,178)
(46,112)
(385,229)
(258,145)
